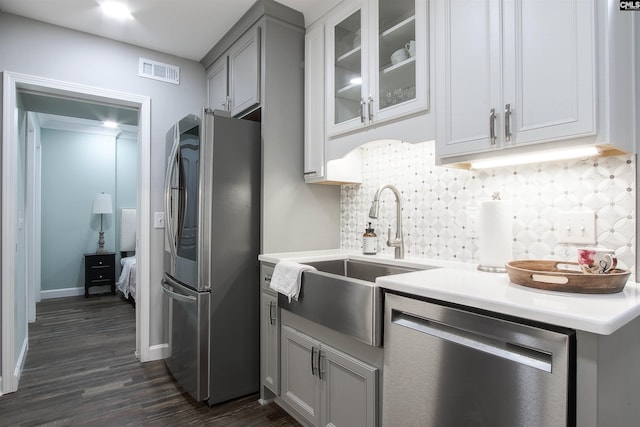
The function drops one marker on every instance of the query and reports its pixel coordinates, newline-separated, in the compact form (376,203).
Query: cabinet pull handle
(362,107)
(507,122)
(321,371)
(492,126)
(272,318)
(370,107)
(313,360)
(228,107)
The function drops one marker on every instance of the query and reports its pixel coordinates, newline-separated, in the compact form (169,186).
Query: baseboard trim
(22,358)
(158,352)
(61,293)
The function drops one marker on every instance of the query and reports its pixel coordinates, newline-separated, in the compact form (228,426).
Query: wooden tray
(548,276)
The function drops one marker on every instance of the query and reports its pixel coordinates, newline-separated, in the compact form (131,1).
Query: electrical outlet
(577,227)
(473,216)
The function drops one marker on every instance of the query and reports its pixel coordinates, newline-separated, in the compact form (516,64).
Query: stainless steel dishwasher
(448,367)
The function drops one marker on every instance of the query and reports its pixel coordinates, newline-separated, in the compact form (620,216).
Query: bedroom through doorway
(81,159)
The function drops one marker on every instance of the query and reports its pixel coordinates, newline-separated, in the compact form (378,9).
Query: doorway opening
(18,246)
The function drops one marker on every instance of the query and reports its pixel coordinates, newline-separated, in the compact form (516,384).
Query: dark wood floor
(81,371)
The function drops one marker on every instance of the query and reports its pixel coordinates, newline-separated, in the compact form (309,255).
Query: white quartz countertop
(462,284)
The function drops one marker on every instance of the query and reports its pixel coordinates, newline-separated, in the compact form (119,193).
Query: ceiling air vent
(159,71)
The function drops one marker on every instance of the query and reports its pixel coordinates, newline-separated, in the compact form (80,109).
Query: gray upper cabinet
(217,82)
(234,78)
(244,72)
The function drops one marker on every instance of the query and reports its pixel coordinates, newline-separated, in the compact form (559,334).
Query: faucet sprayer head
(375,209)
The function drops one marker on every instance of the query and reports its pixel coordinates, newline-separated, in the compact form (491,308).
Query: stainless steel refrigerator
(212,211)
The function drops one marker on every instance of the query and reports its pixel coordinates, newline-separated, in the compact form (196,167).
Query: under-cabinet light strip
(574,153)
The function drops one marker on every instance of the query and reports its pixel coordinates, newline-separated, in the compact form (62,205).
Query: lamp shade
(102,204)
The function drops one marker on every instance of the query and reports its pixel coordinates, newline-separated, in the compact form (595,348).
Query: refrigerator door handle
(167,197)
(182,298)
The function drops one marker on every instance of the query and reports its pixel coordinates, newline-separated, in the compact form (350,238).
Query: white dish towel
(287,278)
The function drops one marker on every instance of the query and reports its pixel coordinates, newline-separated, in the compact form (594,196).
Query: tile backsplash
(436,201)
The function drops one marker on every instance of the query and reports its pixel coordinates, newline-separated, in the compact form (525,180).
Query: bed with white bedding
(127,281)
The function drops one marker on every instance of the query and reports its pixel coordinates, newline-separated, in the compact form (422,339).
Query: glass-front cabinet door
(346,69)
(376,62)
(401,56)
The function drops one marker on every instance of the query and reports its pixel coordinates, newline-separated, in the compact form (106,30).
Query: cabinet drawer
(94,261)
(100,273)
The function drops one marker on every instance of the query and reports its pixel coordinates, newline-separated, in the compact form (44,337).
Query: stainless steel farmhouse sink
(342,296)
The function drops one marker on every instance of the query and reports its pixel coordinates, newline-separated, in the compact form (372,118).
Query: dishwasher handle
(534,358)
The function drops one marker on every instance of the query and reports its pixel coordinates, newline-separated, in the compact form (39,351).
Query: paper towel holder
(493,269)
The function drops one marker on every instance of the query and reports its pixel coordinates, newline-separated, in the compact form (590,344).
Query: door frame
(10,368)
(32,215)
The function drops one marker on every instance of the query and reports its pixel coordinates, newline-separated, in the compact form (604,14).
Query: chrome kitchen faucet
(398,242)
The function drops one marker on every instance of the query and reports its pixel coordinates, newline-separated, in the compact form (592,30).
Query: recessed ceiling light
(116,10)
(109,124)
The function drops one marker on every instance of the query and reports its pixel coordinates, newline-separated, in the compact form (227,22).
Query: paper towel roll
(495,233)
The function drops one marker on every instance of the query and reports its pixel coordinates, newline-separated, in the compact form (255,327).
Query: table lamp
(102,205)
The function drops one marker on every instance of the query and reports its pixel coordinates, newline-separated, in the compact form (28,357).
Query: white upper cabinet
(346,169)
(513,72)
(234,79)
(376,63)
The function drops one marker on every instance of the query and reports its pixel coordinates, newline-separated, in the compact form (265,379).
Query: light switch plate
(158,220)
(577,227)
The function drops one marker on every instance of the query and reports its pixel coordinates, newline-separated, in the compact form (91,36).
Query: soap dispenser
(369,241)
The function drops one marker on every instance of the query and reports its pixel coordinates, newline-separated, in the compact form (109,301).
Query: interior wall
(72,56)
(295,216)
(75,167)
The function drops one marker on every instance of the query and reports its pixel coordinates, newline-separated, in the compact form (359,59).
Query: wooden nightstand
(99,270)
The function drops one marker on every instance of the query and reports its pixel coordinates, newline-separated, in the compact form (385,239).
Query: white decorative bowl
(399,56)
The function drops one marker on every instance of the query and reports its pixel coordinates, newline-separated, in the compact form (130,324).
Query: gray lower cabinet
(269,337)
(326,386)
(269,333)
